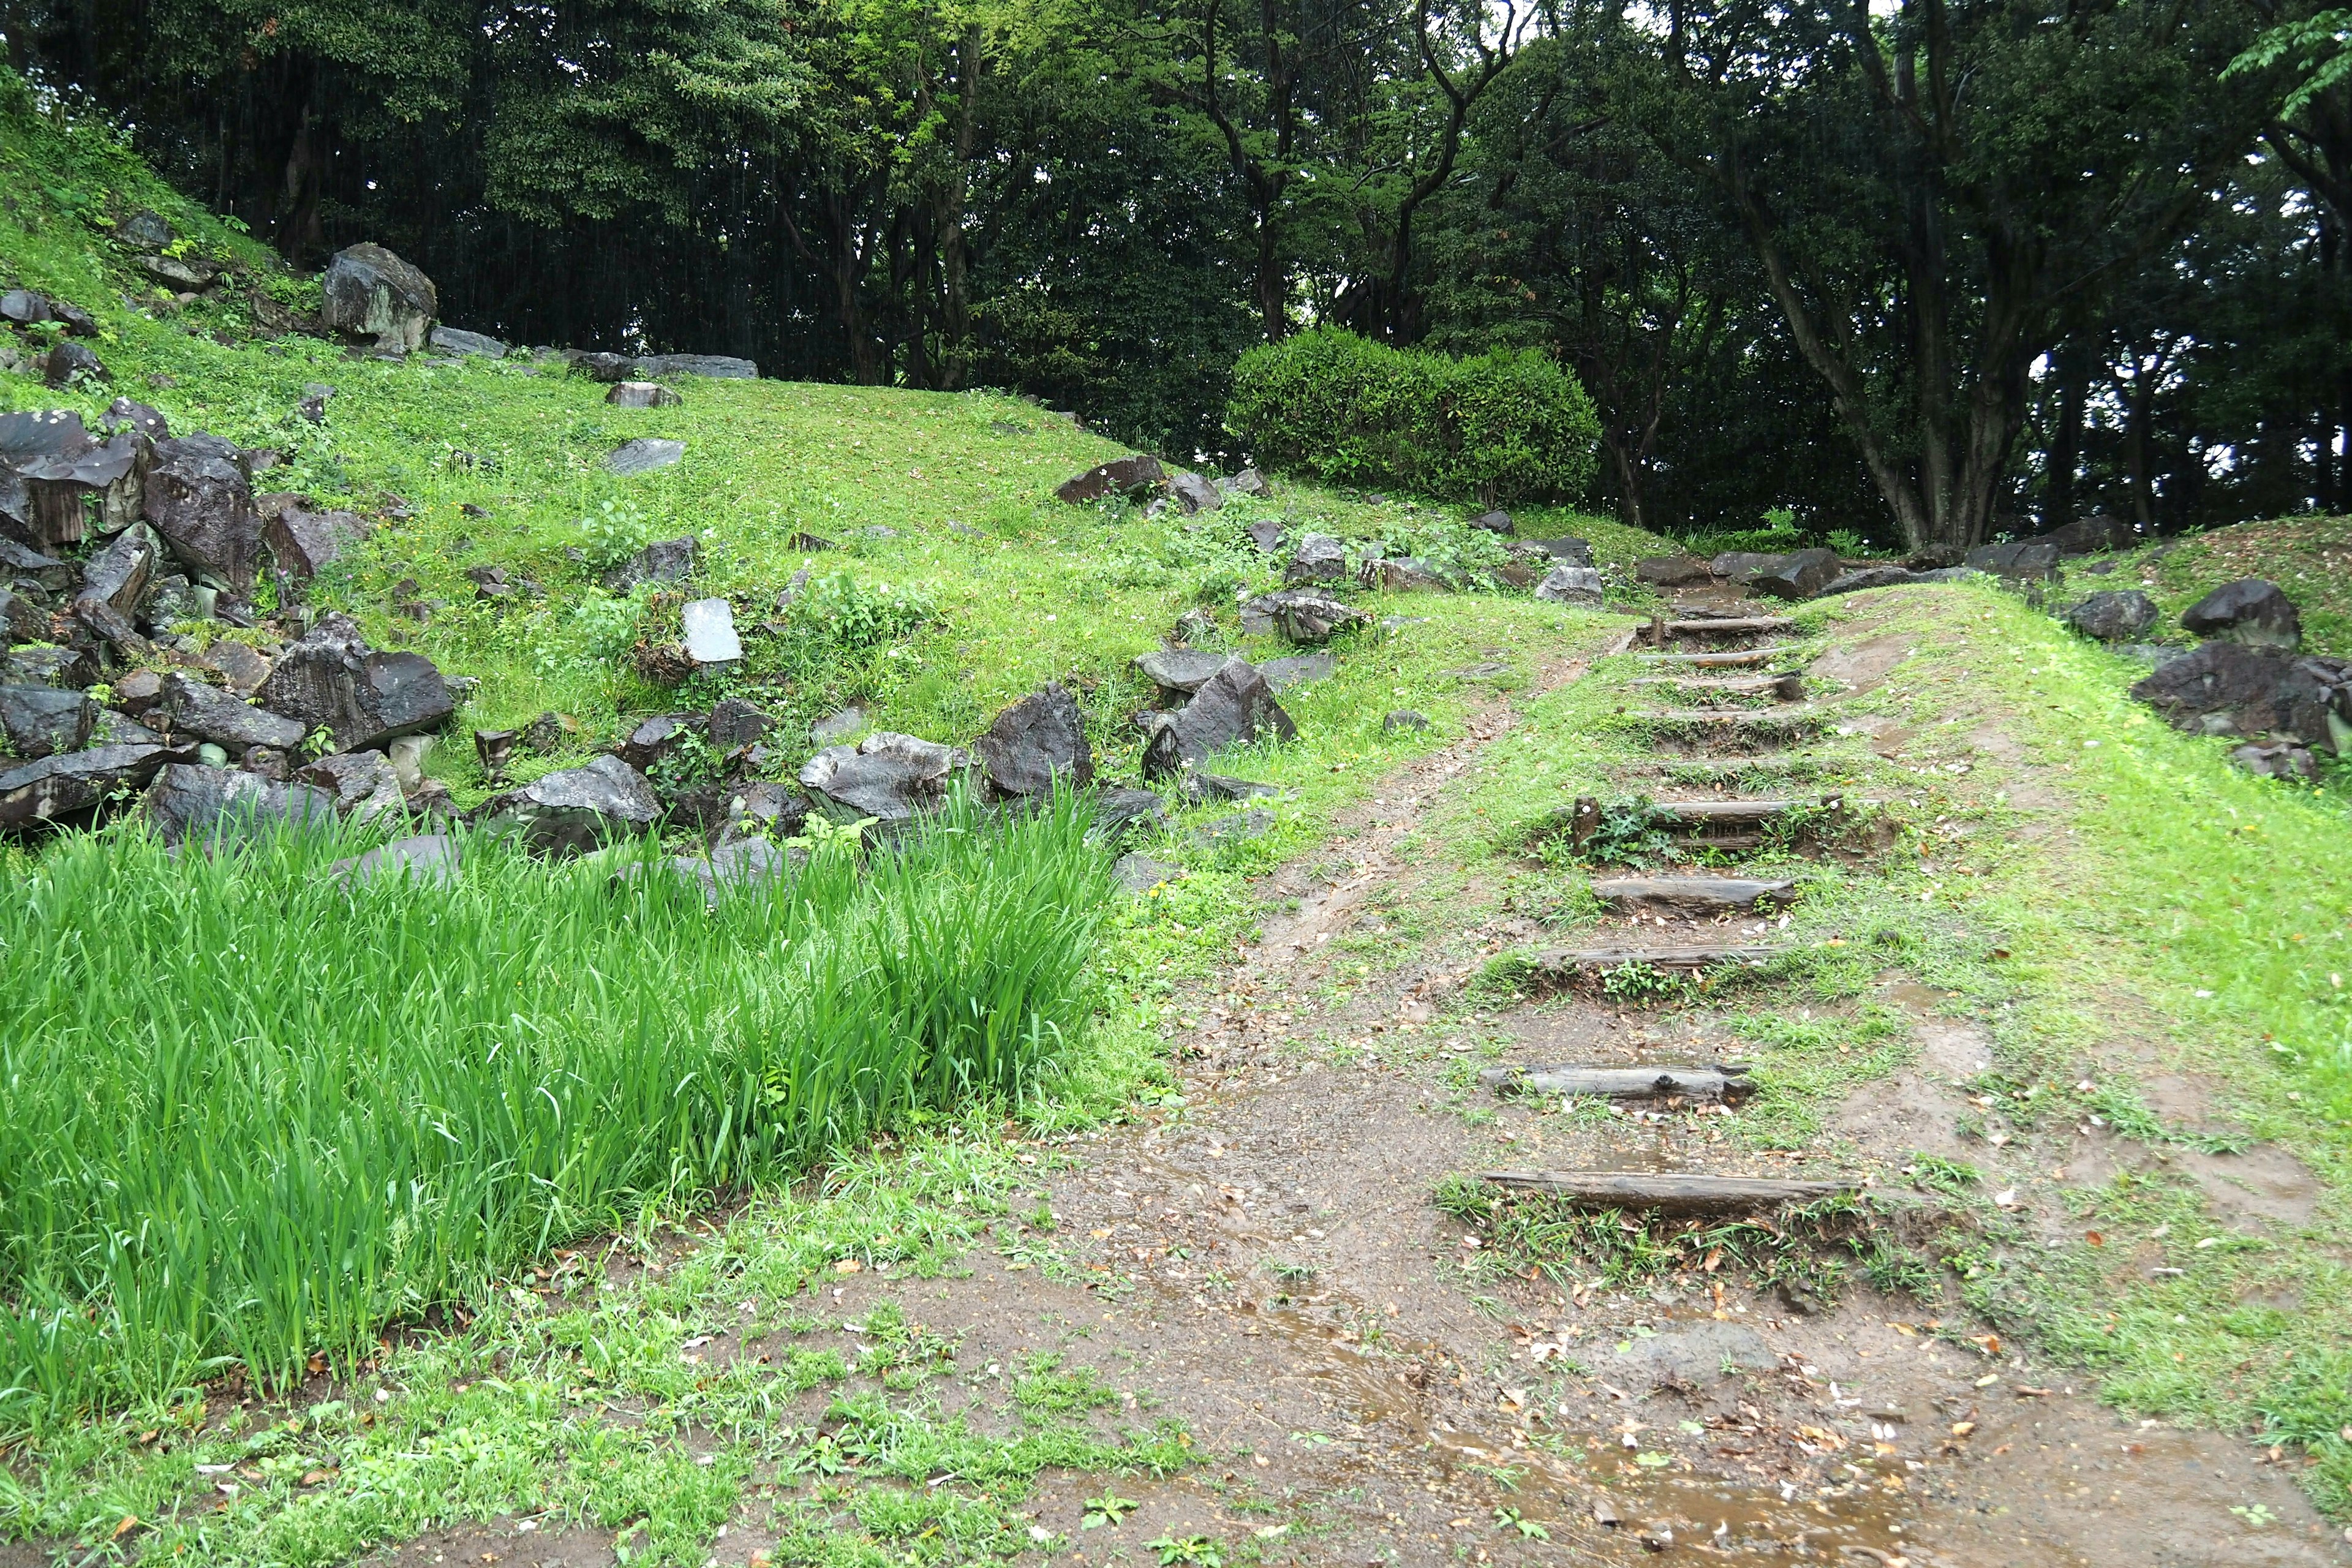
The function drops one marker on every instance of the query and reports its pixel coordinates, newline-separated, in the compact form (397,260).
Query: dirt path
(1271,1268)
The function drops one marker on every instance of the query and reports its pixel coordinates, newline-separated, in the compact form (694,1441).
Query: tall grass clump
(247,1114)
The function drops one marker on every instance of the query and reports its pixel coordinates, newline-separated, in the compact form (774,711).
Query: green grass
(2309,557)
(253,1115)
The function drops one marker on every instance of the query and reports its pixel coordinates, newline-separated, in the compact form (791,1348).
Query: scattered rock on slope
(200,500)
(1033,742)
(1133,476)
(885,775)
(332,680)
(1302,614)
(368,291)
(1316,558)
(189,802)
(1799,574)
(43,721)
(573,811)
(226,719)
(1182,671)
(2120,616)
(644,455)
(1234,707)
(2228,689)
(2250,611)
(1566,585)
(665,561)
(72,782)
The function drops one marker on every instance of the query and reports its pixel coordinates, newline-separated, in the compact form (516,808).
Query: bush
(1508,425)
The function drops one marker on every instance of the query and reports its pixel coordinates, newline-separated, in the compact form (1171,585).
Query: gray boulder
(1494,522)
(118,575)
(123,413)
(1194,494)
(430,858)
(1302,614)
(331,681)
(735,723)
(1575,551)
(193,803)
(1248,482)
(1036,741)
(738,867)
(665,561)
(2250,611)
(70,361)
(885,775)
(1316,558)
(241,668)
(48,665)
(763,808)
(1400,720)
(1863,577)
(2225,687)
(23,563)
(711,367)
(2285,760)
(2121,616)
(644,455)
(1140,873)
(54,475)
(200,500)
(1799,574)
(1232,708)
(74,782)
(363,784)
(1405,574)
(457,341)
(571,812)
(2022,558)
(224,718)
(21,620)
(642,394)
(369,292)
(42,720)
(2089,536)
(1179,669)
(1133,477)
(654,737)
(1566,585)
(1299,670)
(1672,571)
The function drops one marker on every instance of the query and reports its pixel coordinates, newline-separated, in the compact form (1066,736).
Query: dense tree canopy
(1929,271)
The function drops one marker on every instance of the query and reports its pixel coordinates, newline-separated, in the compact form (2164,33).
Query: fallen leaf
(1962,1428)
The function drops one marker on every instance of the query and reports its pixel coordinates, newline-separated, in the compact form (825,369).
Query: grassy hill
(2310,557)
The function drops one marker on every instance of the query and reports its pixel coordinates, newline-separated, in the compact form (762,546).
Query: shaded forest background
(1929,271)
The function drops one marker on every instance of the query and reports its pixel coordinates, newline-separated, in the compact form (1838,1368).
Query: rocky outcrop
(226,721)
(210,805)
(1799,574)
(200,499)
(43,721)
(2119,616)
(1566,585)
(75,782)
(2228,689)
(2250,611)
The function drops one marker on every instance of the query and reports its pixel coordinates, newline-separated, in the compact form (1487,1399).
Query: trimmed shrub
(1507,425)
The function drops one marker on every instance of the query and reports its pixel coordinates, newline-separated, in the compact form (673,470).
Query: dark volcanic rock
(1567,585)
(644,455)
(2225,687)
(1302,614)
(118,575)
(1672,571)
(642,394)
(1494,522)
(1402,718)
(652,739)
(69,360)
(1299,670)
(1268,535)
(713,367)
(21,620)
(1141,873)
(885,775)
(738,866)
(1575,551)
(332,680)
(2017,558)
(1194,494)
(461,342)
(47,666)
(200,500)
(666,561)
(2121,616)
(123,413)
(2090,535)
(23,563)
(2250,611)
(1234,707)
(306,542)
(1316,558)
(2285,760)
(189,802)
(42,720)
(571,812)
(369,292)
(1799,574)
(1120,814)
(735,723)
(1403,575)
(763,808)
(362,783)
(1179,669)
(1133,476)
(1036,742)
(227,720)
(76,781)
(1863,577)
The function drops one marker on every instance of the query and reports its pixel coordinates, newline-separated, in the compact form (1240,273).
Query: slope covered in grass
(2310,557)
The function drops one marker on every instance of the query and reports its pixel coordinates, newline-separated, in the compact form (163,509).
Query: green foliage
(257,1113)
(856,615)
(615,531)
(1507,425)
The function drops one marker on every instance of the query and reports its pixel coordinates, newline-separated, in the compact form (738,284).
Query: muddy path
(1268,1268)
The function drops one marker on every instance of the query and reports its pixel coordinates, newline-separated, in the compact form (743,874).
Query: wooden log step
(1739,626)
(1572,963)
(1698,812)
(1700,1086)
(1690,892)
(1667,1192)
(1783,687)
(1735,658)
(1729,717)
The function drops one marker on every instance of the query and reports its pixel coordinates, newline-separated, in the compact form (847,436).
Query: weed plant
(255,1112)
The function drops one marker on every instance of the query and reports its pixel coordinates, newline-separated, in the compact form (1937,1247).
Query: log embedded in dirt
(1701,1086)
(1690,892)
(1567,963)
(1725,718)
(1695,812)
(1739,627)
(1781,688)
(1736,659)
(1669,1192)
